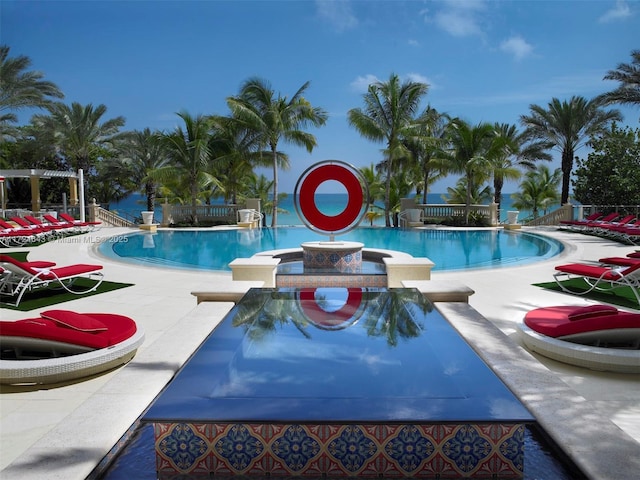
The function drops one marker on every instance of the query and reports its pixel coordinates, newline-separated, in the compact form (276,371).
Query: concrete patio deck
(64,432)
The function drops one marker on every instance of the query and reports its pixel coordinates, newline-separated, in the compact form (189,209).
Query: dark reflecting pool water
(335,355)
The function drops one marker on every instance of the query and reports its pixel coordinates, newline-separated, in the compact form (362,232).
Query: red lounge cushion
(592,311)
(65,272)
(77,321)
(44,329)
(119,327)
(554,321)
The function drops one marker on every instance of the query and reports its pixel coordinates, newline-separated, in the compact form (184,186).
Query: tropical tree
(426,143)
(375,189)
(512,151)
(611,173)
(471,151)
(189,154)
(20,88)
(142,154)
(539,190)
(79,132)
(274,117)
(628,75)
(235,150)
(259,186)
(479,193)
(389,110)
(567,125)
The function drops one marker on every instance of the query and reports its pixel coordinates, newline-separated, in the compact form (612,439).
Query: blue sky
(484,60)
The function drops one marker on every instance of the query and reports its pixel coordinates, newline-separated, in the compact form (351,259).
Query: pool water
(274,358)
(448,249)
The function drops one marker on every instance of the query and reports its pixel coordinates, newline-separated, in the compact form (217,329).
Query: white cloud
(338,13)
(416,77)
(413,43)
(516,46)
(361,84)
(619,12)
(460,18)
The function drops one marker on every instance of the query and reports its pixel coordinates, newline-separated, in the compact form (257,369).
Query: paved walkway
(62,433)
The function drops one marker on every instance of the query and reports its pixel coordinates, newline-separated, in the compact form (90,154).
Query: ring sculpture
(357,194)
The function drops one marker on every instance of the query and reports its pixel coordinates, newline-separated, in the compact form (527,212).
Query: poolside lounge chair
(601,278)
(79,223)
(58,227)
(600,337)
(605,228)
(21,235)
(24,277)
(63,345)
(620,261)
(584,221)
(47,232)
(63,223)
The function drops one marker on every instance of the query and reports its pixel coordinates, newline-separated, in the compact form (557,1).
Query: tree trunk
(387,195)
(274,217)
(497,186)
(194,195)
(151,196)
(567,166)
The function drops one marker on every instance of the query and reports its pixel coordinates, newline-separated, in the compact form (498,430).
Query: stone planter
(147,218)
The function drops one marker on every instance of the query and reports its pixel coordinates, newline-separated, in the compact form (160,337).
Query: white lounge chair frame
(600,284)
(18,282)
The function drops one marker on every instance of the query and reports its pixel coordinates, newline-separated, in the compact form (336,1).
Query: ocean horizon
(328,203)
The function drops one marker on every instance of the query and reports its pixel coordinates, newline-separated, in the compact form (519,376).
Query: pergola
(76,186)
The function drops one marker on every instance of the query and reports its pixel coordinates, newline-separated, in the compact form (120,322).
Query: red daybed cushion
(118,328)
(555,322)
(76,321)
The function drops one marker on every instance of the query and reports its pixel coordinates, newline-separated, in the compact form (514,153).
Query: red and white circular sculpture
(305,200)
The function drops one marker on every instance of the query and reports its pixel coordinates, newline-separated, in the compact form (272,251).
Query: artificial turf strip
(622,296)
(46,297)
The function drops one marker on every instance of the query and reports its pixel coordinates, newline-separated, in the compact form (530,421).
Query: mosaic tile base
(416,451)
(346,261)
(345,281)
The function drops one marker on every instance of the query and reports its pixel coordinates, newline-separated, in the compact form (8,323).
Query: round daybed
(599,337)
(62,345)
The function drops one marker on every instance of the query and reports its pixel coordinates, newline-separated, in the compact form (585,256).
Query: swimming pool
(448,249)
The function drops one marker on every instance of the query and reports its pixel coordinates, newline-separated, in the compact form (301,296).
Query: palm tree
(143,153)
(389,110)
(539,190)
(628,75)
(189,154)
(459,192)
(274,118)
(20,88)
(513,151)
(235,150)
(567,125)
(471,151)
(426,143)
(375,189)
(78,131)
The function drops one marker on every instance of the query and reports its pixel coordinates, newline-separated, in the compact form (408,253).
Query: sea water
(328,203)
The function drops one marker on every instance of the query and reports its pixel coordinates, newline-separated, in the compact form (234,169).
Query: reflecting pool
(448,249)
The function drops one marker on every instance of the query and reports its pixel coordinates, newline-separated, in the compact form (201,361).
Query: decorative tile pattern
(416,451)
(345,281)
(344,261)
